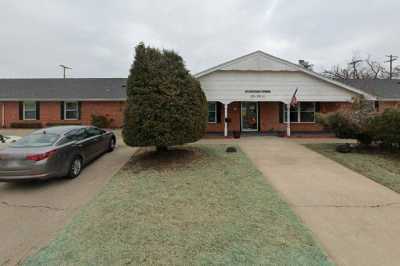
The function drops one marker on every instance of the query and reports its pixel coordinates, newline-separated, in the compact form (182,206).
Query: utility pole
(392,58)
(354,64)
(64,67)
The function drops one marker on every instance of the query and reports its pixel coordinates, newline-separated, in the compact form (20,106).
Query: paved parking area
(31,214)
(355,219)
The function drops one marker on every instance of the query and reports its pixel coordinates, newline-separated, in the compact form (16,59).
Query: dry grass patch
(195,206)
(381,166)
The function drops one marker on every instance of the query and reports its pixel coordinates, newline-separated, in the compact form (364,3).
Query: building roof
(261,61)
(384,89)
(89,89)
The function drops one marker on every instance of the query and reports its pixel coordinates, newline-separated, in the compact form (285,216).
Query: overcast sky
(96,37)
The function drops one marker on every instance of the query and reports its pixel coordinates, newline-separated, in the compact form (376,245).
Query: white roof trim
(290,64)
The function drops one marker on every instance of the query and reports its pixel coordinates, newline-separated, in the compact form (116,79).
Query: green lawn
(382,167)
(198,207)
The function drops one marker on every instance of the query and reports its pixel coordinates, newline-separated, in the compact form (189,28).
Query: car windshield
(36,140)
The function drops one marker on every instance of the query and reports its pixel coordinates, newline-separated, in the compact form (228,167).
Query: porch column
(288,120)
(225,119)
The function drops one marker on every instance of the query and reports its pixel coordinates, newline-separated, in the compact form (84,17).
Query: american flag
(293,102)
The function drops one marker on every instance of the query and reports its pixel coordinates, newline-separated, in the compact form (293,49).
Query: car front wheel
(75,167)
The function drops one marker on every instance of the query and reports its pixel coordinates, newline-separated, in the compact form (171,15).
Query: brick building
(251,93)
(60,101)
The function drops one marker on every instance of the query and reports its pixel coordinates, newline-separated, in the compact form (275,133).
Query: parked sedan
(54,152)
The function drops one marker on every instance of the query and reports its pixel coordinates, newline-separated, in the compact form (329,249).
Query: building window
(304,112)
(29,111)
(212,112)
(71,110)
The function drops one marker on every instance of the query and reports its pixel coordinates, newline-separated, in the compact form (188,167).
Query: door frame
(257,117)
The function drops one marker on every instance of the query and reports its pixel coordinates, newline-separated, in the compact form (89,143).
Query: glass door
(249,116)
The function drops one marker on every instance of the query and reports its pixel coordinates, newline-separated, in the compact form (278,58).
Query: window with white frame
(304,112)
(29,111)
(71,110)
(212,112)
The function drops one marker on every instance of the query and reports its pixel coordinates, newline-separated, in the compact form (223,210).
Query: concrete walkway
(354,218)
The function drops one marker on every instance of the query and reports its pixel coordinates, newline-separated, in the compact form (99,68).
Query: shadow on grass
(174,158)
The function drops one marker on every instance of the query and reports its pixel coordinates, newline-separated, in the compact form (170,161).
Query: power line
(64,67)
(392,58)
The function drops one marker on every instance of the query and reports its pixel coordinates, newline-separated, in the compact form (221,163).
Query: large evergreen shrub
(165,105)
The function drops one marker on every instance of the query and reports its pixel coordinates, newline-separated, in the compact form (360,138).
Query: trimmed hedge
(26,125)
(54,124)
(382,128)
(385,127)
(351,124)
(101,121)
(339,124)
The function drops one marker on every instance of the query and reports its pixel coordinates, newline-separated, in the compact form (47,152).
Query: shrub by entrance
(365,125)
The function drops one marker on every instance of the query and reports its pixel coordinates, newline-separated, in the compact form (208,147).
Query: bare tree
(375,69)
(359,68)
(337,72)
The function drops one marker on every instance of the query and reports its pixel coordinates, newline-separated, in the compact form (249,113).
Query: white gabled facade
(230,86)
(260,77)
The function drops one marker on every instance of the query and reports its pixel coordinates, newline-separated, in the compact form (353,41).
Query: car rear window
(36,140)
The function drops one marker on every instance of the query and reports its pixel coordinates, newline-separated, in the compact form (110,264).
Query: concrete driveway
(31,214)
(354,218)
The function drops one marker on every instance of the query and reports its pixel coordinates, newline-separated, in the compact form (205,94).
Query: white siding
(229,86)
(258,62)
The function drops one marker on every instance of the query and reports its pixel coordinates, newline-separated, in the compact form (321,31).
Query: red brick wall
(50,112)
(269,114)
(271,110)
(269,118)
(11,113)
(233,113)
(113,110)
(386,105)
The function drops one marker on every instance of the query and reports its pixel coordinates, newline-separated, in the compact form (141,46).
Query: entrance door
(249,116)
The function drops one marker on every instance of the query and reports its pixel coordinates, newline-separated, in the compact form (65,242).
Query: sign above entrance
(257,94)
